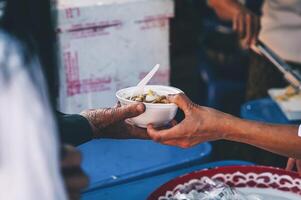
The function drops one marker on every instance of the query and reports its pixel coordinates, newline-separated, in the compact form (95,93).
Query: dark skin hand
(113,123)
(245,23)
(74,177)
(105,123)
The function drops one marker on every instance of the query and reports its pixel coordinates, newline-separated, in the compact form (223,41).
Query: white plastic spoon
(139,90)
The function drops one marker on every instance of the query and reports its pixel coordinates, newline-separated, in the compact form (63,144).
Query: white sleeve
(29,155)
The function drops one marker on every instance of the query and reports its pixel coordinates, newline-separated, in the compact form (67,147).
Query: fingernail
(140,107)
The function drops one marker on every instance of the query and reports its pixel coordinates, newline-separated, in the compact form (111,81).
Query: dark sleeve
(74,129)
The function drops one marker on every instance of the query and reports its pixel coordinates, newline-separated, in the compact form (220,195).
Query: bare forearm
(206,124)
(226,9)
(280,139)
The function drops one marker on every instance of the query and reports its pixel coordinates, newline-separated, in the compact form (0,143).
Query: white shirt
(29,155)
(281,28)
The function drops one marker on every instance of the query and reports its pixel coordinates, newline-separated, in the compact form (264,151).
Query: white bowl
(156,114)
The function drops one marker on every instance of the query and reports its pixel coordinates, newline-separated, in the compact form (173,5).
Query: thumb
(128,111)
(182,101)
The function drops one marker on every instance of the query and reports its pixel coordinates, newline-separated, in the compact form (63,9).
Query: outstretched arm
(205,124)
(280,139)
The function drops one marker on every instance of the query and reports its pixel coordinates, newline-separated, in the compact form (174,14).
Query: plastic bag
(207,189)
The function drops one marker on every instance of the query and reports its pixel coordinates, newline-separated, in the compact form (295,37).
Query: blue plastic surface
(140,189)
(265,110)
(112,162)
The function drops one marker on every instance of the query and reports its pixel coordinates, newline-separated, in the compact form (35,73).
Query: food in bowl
(157,114)
(150,97)
(289,93)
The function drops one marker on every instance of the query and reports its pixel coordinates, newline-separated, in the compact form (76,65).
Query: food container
(291,107)
(101,41)
(266,183)
(156,114)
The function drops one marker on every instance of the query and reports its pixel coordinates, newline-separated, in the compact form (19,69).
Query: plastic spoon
(139,90)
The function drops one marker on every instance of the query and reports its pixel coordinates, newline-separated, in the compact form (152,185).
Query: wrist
(233,129)
(90,115)
(216,124)
(227,126)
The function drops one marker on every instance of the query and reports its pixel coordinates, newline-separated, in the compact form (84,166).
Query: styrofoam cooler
(106,45)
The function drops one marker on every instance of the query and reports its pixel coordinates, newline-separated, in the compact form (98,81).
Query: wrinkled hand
(74,178)
(112,122)
(292,163)
(199,125)
(247,25)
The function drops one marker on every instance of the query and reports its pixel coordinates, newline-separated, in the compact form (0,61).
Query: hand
(113,123)
(291,163)
(200,124)
(74,178)
(247,25)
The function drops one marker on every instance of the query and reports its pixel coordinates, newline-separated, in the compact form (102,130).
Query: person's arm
(113,123)
(74,129)
(280,139)
(101,123)
(226,9)
(205,124)
(244,21)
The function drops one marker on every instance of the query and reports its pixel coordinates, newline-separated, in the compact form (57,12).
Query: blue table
(264,110)
(112,162)
(140,189)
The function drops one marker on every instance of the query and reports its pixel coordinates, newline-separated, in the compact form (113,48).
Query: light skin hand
(192,130)
(112,122)
(245,23)
(291,163)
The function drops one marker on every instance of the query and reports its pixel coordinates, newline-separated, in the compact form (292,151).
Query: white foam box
(106,45)
(291,108)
